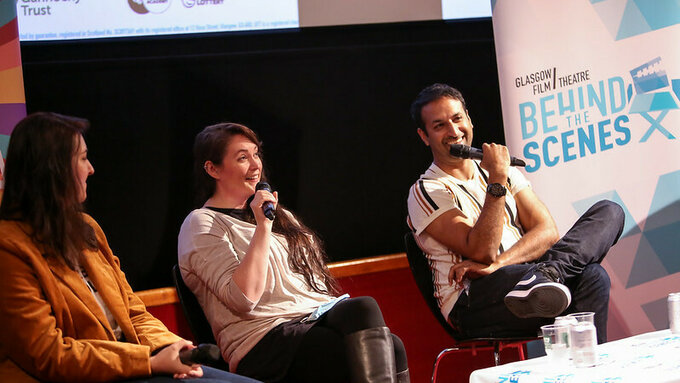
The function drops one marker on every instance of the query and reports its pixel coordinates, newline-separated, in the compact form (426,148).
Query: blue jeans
(481,312)
(210,375)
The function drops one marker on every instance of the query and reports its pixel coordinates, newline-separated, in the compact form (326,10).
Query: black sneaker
(538,294)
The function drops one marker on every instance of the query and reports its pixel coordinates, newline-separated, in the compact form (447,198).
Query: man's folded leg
(481,312)
(539,294)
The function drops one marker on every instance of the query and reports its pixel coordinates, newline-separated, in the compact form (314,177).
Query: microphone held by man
(464,151)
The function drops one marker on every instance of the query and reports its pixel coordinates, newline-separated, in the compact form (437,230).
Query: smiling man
(498,265)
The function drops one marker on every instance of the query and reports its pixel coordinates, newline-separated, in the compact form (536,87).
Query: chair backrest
(198,323)
(424,279)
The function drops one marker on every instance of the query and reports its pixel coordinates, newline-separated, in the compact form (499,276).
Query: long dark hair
(306,254)
(40,184)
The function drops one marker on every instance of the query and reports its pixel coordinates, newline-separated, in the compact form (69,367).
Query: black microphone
(464,151)
(267,207)
(205,353)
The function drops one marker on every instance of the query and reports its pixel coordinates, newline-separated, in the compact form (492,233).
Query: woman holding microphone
(262,279)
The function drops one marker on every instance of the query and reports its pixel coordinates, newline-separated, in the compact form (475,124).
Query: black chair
(198,323)
(423,277)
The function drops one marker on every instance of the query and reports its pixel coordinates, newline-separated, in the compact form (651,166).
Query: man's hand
(496,161)
(471,269)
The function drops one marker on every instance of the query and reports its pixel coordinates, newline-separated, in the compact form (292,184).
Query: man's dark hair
(429,94)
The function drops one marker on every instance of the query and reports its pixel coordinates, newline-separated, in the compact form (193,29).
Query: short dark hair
(429,94)
(40,184)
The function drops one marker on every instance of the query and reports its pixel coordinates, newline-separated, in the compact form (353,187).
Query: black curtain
(330,105)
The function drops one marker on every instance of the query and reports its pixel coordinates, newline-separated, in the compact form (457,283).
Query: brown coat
(51,326)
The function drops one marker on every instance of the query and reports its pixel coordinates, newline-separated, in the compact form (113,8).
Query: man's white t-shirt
(437,192)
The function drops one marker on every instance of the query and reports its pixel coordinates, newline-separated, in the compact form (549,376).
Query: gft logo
(146,6)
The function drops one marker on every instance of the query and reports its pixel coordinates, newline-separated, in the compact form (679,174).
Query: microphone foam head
(209,352)
(459,150)
(262,185)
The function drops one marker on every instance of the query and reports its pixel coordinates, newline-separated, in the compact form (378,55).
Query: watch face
(496,190)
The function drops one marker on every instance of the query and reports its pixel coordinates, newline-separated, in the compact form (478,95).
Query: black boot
(370,355)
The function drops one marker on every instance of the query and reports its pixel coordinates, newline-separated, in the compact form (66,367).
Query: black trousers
(315,352)
(576,256)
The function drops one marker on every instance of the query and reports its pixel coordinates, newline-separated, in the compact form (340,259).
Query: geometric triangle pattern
(620,261)
(657,252)
(627,18)
(659,13)
(610,12)
(656,311)
(630,227)
(646,266)
(7,12)
(633,22)
(665,207)
(665,242)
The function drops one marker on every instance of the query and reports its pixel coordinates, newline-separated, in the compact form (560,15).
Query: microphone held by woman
(267,207)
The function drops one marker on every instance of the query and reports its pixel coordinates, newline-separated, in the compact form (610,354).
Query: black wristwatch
(496,190)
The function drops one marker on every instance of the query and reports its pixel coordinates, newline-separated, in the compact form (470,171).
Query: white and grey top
(210,247)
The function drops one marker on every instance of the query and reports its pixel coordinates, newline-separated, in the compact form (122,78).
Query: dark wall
(330,104)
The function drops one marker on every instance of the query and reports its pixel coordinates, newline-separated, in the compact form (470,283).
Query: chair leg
(520,351)
(496,346)
(441,355)
(496,353)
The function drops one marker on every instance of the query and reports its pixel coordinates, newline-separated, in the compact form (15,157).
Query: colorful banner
(591,100)
(12,100)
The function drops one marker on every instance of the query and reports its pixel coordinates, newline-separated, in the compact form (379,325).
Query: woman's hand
(261,197)
(251,274)
(167,362)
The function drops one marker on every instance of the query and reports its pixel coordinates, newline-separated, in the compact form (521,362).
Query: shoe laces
(549,271)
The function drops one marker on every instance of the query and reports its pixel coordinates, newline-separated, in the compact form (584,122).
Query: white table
(647,358)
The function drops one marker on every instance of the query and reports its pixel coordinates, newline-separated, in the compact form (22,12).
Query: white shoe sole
(545,300)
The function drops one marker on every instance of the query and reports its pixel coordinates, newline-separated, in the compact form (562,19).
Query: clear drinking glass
(583,336)
(583,317)
(568,321)
(555,342)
